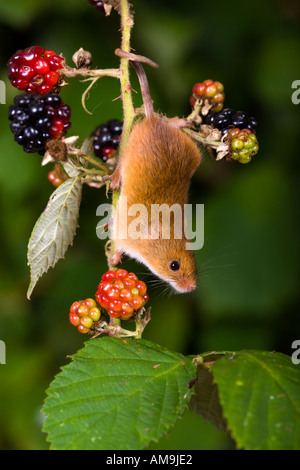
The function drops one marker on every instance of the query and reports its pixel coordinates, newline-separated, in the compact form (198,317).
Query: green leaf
(54,230)
(205,401)
(117,394)
(260,396)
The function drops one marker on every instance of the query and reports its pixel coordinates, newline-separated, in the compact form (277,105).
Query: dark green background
(248,294)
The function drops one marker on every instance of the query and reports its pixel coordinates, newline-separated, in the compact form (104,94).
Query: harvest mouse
(157,166)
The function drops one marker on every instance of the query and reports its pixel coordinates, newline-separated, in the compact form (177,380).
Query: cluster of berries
(83,314)
(239,130)
(39,115)
(107,138)
(209,90)
(229,119)
(34,70)
(36,119)
(120,293)
(243,144)
(99,5)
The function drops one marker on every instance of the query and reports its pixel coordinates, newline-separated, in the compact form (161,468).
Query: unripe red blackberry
(36,119)
(35,70)
(121,293)
(57,176)
(210,90)
(83,314)
(107,138)
(243,144)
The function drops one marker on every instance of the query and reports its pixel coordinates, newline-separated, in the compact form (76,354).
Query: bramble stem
(195,113)
(85,72)
(114,322)
(94,162)
(128,108)
(201,138)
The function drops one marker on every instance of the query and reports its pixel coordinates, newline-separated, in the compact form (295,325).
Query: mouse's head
(170,261)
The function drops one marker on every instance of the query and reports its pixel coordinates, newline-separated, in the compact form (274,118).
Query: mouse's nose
(186,285)
(190,288)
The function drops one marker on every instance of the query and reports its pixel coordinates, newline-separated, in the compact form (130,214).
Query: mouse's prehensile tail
(136,60)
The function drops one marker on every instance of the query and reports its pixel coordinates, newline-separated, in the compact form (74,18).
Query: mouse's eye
(174,265)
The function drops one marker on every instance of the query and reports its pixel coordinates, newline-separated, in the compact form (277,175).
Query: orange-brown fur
(156,168)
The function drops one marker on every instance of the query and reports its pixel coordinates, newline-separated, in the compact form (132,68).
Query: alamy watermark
(2,92)
(2,352)
(296,354)
(296,94)
(166,222)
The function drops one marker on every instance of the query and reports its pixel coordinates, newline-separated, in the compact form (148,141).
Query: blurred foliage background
(248,293)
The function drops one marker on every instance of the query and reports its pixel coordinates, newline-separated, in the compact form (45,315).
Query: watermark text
(296,354)
(296,94)
(160,222)
(2,352)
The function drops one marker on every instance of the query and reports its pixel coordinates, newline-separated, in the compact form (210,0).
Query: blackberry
(229,119)
(98,4)
(107,138)
(121,293)
(243,144)
(83,314)
(35,70)
(36,119)
(210,90)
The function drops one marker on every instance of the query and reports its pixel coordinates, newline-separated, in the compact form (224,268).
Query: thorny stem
(128,116)
(85,72)
(128,108)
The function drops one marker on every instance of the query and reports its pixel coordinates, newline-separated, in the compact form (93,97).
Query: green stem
(84,72)
(95,162)
(197,136)
(195,113)
(114,321)
(128,108)
(94,172)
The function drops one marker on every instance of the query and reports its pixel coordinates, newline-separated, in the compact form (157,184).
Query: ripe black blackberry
(229,119)
(98,4)
(36,119)
(107,138)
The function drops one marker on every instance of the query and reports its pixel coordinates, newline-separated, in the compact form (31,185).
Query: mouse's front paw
(116,259)
(114,179)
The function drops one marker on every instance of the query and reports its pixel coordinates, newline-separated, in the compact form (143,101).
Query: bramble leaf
(55,229)
(259,394)
(117,394)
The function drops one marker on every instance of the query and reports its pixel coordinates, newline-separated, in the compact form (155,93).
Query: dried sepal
(82,59)
(211,133)
(223,151)
(109,5)
(58,150)
(94,181)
